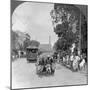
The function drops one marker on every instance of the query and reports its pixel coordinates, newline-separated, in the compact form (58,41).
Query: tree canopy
(67,25)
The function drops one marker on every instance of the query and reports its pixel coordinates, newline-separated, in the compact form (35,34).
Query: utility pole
(79,51)
(50,41)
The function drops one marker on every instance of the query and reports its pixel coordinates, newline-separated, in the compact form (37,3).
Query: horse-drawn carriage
(45,65)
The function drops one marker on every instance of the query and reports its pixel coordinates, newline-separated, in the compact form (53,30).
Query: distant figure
(19,53)
(13,56)
(64,60)
(76,63)
(71,58)
(82,64)
(67,59)
(73,47)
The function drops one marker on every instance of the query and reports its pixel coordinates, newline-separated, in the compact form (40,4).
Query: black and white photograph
(49,44)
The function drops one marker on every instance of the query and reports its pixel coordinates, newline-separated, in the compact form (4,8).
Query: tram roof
(32,47)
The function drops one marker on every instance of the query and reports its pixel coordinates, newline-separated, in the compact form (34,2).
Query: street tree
(66,24)
(26,42)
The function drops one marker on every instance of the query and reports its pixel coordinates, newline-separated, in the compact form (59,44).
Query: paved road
(24,76)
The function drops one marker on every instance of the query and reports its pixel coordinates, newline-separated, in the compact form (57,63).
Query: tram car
(32,53)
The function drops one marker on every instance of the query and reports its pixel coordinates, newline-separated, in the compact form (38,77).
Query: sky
(34,18)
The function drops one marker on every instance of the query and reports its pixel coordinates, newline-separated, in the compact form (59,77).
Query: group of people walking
(74,61)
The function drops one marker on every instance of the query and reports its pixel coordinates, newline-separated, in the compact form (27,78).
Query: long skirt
(75,65)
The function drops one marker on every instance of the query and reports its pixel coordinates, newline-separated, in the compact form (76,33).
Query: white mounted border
(84,2)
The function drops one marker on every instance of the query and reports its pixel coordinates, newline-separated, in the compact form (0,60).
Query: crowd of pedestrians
(73,60)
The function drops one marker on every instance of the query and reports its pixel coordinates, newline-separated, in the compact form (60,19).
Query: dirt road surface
(24,76)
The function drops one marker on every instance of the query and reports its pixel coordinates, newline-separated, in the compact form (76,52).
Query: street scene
(24,76)
(48,45)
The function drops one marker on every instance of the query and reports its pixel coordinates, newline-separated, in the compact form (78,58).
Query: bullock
(48,68)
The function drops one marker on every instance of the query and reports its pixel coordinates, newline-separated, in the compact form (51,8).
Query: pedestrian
(76,63)
(82,63)
(67,59)
(71,60)
(64,60)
